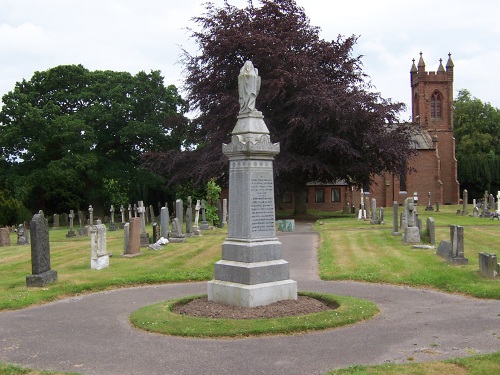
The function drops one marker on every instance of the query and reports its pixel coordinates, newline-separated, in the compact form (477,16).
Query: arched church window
(436,105)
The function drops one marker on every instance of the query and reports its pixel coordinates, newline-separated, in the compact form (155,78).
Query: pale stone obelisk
(252,271)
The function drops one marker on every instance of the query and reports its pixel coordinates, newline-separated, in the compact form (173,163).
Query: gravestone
(204,223)
(41,274)
(135,210)
(346,209)
(362,211)
(224,212)
(55,222)
(99,258)
(465,199)
(381,215)
(196,228)
(453,251)
(176,234)
(252,271)
(189,219)
(63,219)
(122,212)
(395,218)
(373,211)
(156,232)
(485,212)
(23,237)
(144,237)
(429,204)
(431,230)
(164,222)
(71,233)
(152,214)
(4,237)
(91,215)
(132,238)
(179,211)
(112,224)
(130,213)
(411,234)
(488,265)
(498,201)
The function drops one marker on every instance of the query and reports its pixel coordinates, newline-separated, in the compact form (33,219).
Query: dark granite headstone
(40,253)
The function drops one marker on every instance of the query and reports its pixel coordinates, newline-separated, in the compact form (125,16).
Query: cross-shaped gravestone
(71,232)
(112,224)
(91,215)
(141,210)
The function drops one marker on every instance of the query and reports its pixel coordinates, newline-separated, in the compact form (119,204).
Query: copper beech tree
(314,96)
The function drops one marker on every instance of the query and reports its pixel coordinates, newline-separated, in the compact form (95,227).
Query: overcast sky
(135,35)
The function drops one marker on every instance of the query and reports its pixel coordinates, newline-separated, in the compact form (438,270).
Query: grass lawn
(349,250)
(356,250)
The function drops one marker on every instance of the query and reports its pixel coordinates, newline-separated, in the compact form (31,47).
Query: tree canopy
(315,98)
(477,135)
(68,134)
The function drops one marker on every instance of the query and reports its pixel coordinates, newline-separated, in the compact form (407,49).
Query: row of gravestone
(485,208)
(135,237)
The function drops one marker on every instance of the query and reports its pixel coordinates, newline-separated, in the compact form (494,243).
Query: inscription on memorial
(262,204)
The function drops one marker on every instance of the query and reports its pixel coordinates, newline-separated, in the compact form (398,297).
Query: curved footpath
(92,335)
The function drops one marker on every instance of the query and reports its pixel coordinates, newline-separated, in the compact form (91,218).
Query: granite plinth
(41,279)
(251,273)
(251,295)
(251,251)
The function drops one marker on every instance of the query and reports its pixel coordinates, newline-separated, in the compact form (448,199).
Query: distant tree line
(477,137)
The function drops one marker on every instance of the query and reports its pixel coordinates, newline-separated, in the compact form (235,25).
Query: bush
(9,208)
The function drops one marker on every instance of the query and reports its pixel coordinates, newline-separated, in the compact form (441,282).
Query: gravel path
(92,334)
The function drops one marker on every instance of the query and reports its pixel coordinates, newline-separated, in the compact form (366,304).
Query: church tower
(432,112)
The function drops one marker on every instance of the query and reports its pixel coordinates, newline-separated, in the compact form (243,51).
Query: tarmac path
(91,334)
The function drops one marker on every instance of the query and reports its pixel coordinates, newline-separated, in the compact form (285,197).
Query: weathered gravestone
(152,214)
(23,235)
(224,212)
(91,215)
(164,222)
(431,230)
(71,233)
(144,238)
(488,265)
(179,211)
(429,204)
(252,271)
(189,218)
(196,228)
(286,225)
(465,199)
(55,222)
(362,211)
(40,253)
(132,238)
(99,257)
(122,211)
(373,212)
(176,234)
(112,224)
(395,218)
(453,251)
(204,223)
(411,233)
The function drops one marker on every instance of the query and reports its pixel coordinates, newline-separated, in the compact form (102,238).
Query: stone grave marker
(431,230)
(176,234)
(144,237)
(122,212)
(132,238)
(164,222)
(453,251)
(41,274)
(395,218)
(23,237)
(488,265)
(196,228)
(465,199)
(130,214)
(91,215)
(152,214)
(429,204)
(204,223)
(71,233)
(189,218)
(252,271)
(224,212)
(112,224)
(99,257)
(55,222)
(286,225)
(411,233)
(373,217)
(63,219)
(4,236)
(179,211)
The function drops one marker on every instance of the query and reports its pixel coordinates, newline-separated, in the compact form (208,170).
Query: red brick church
(435,163)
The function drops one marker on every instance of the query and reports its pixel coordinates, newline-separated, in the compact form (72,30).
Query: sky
(145,35)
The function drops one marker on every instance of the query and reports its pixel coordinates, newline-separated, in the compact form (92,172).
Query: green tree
(68,130)
(316,100)
(477,135)
(9,209)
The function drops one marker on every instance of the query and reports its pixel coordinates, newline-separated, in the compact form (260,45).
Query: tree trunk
(300,200)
